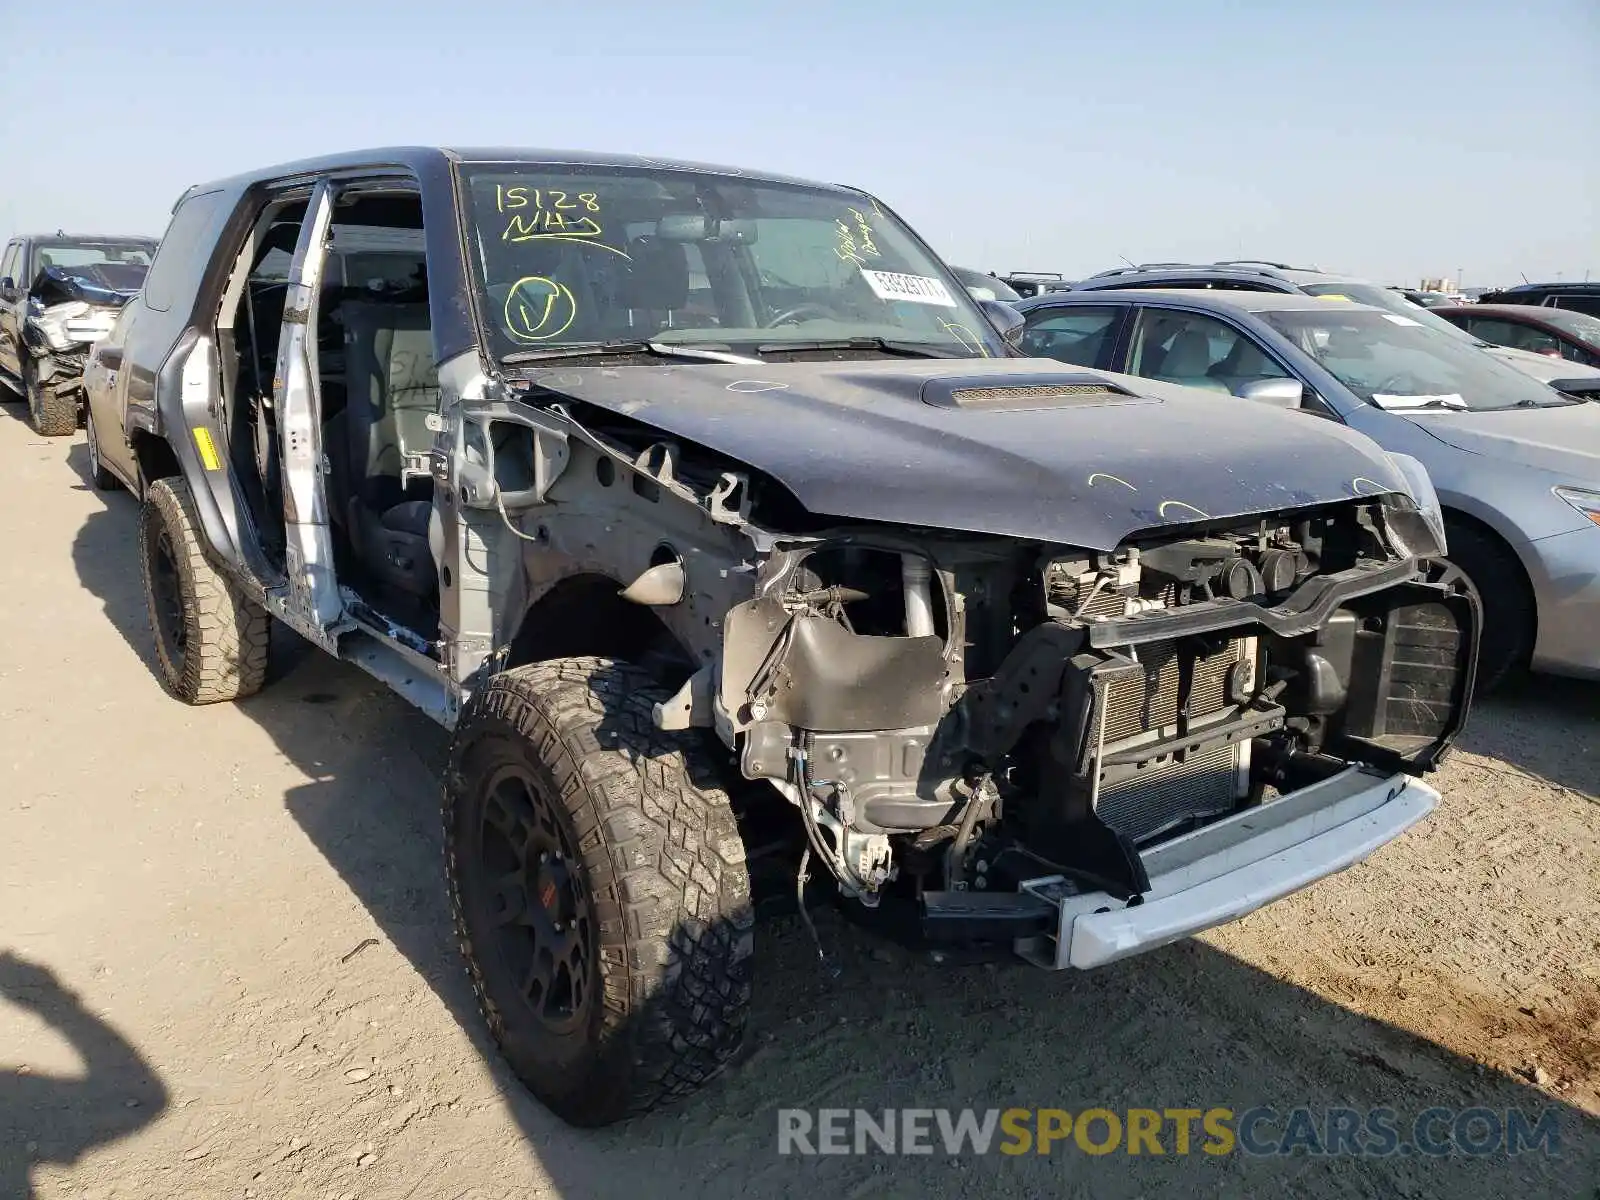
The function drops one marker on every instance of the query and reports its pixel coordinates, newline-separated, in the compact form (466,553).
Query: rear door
(104,384)
(314,601)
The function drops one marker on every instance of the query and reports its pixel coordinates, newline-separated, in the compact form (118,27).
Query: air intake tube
(916,575)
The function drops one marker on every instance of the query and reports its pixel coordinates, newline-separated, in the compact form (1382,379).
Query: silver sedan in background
(1516,463)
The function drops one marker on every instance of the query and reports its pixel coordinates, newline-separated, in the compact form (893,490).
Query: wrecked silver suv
(730,537)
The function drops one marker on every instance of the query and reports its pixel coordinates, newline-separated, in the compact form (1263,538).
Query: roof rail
(1240,267)
(1151,266)
(1261,262)
(1032,275)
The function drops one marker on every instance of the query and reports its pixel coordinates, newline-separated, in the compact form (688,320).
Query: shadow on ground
(55,1119)
(1548,727)
(1186,1027)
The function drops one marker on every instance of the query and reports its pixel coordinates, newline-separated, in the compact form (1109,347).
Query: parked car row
(1568,373)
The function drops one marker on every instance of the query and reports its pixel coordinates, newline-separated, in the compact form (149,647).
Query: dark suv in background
(1582,297)
(60,294)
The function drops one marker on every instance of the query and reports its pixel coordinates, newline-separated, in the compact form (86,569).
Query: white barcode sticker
(918,289)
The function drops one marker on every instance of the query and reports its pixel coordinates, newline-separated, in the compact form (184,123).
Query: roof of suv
(1200,298)
(135,239)
(1581,287)
(436,156)
(1258,276)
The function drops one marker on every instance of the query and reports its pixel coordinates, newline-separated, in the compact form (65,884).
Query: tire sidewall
(96,472)
(1505,600)
(161,514)
(555,1066)
(30,390)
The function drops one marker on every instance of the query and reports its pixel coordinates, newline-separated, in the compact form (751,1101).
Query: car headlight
(74,323)
(1420,486)
(1584,500)
(90,327)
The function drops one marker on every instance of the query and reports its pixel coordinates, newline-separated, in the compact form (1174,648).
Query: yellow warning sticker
(1333,296)
(209,458)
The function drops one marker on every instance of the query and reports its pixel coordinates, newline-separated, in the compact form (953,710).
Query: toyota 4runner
(700,503)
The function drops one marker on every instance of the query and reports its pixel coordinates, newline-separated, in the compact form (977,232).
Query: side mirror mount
(1280,393)
(1007,321)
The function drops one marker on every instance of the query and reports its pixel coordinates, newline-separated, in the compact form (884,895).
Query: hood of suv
(1563,439)
(1017,447)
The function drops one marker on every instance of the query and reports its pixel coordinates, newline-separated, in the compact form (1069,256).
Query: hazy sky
(1385,138)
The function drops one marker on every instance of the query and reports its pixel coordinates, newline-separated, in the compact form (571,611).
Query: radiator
(1180,787)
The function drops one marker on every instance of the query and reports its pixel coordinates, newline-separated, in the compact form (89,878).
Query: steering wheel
(800,310)
(1395,380)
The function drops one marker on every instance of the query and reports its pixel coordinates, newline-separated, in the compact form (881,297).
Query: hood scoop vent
(1003,393)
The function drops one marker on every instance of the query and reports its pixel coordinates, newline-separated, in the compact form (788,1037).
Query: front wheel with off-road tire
(211,639)
(51,414)
(599,889)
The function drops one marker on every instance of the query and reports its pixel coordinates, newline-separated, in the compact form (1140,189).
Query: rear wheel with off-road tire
(599,889)
(1510,616)
(51,414)
(211,639)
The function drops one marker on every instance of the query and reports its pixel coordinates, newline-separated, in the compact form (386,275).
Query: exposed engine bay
(974,714)
(959,715)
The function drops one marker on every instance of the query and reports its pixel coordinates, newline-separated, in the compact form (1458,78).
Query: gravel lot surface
(228,968)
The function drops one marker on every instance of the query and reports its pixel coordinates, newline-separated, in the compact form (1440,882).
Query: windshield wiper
(621,348)
(670,350)
(1429,404)
(1563,402)
(906,349)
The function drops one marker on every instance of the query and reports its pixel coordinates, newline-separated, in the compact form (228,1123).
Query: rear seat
(381,488)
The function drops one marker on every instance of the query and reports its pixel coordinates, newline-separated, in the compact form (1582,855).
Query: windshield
(71,255)
(1388,300)
(1396,361)
(573,255)
(1577,324)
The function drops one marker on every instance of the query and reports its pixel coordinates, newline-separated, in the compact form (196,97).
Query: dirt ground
(228,970)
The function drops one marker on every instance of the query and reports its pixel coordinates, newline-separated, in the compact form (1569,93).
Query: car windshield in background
(985,287)
(72,255)
(1388,300)
(118,266)
(1397,362)
(1579,325)
(573,256)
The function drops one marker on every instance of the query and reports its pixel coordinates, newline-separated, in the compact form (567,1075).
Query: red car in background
(1557,332)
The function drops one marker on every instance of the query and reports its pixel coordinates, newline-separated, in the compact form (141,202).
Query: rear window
(184,251)
(1583,304)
